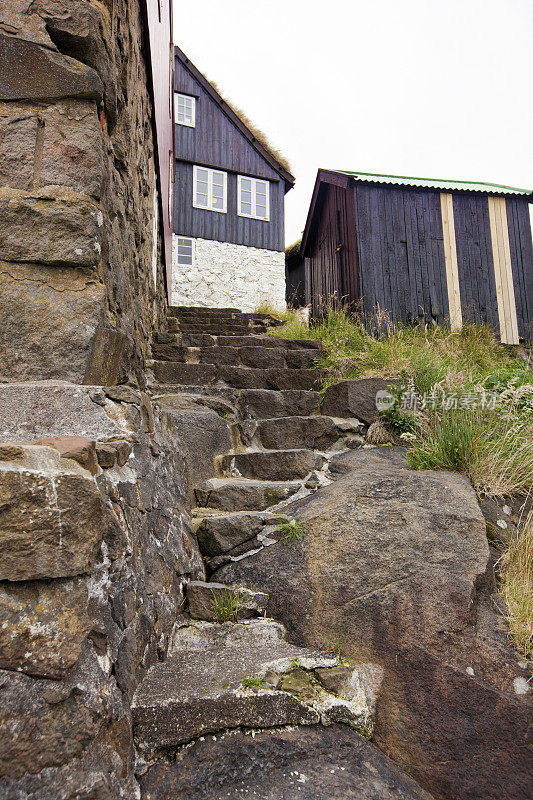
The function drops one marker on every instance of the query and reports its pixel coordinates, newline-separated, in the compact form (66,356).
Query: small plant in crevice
(226,606)
(397,420)
(291,532)
(252,681)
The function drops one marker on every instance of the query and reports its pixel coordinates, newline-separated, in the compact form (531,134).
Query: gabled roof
(342,177)
(261,146)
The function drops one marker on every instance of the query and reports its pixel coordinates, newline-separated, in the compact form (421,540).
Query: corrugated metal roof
(435,183)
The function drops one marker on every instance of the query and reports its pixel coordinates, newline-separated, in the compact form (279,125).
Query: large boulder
(308,763)
(394,568)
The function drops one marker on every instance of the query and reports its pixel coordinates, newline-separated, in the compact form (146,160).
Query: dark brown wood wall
(333,258)
(475,264)
(215,141)
(228,227)
(519,224)
(401,253)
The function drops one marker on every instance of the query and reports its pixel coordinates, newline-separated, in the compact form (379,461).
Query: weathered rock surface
(311,763)
(242,494)
(203,596)
(34,410)
(394,566)
(44,625)
(52,516)
(54,225)
(45,305)
(199,689)
(314,433)
(32,72)
(218,534)
(354,398)
(274,465)
(200,433)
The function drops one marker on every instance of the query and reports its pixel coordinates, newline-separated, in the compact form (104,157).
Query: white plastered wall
(226,275)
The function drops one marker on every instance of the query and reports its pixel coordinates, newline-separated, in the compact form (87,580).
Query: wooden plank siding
(333,262)
(521,248)
(215,141)
(503,274)
(400,252)
(422,254)
(228,227)
(474,260)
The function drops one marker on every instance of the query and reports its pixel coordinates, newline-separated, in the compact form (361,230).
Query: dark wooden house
(421,250)
(229,195)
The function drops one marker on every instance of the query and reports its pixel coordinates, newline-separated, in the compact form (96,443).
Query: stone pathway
(231,669)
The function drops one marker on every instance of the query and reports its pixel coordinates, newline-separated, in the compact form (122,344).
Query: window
(185,109)
(210,189)
(185,251)
(253,198)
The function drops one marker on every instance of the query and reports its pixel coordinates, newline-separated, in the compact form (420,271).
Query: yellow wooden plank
(450,259)
(503,273)
(512,325)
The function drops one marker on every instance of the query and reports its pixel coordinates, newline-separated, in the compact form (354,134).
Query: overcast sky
(404,87)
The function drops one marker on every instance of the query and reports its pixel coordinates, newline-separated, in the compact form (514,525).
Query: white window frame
(193,254)
(254,214)
(210,174)
(189,123)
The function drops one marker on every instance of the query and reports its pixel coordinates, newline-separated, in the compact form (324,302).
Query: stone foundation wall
(226,275)
(77,293)
(96,543)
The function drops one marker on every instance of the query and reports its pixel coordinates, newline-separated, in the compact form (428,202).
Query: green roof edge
(409,180)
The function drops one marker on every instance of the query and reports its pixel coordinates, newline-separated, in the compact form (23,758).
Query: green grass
(226,606)
(517,588)
(291,532)
(252,681)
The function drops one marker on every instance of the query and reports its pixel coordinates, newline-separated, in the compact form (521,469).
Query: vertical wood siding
(450,260)
(521,247)
(503,273)
(404,251)
(215,141)
(333,261)
(401,253)
(475,260)
(229,227)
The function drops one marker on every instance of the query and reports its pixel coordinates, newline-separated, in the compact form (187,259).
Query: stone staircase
(229,667)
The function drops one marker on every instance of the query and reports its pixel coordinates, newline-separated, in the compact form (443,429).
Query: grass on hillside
(517,587)
(490,442)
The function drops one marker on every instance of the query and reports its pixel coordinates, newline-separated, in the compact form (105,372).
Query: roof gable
(267,153)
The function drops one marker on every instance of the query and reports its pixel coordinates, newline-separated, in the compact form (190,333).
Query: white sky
(430,88)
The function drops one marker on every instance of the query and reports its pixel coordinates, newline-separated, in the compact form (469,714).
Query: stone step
(267,465)
(257,357)
(216,328)
(169,372)
(217,602)
(299,432)
(253,403)
(219,534)
(243,494)
(244,675)
(251,340)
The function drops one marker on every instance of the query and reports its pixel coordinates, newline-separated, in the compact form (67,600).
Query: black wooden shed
(421,250)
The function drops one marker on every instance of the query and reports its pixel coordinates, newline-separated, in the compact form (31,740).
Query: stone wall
(77,293)
(96,542)
(226,275)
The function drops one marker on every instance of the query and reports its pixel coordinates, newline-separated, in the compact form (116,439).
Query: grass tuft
(291,532)
(517,587)
(252,681)
(226,606)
